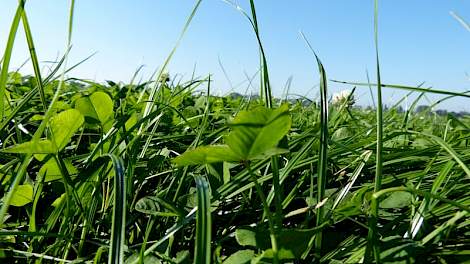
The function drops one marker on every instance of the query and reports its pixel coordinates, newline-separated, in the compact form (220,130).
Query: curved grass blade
(203,222)
(323,152)
(447,148)
(460,20)
(266,93)
(116,250)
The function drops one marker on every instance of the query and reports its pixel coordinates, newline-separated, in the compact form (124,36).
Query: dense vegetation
(163,172)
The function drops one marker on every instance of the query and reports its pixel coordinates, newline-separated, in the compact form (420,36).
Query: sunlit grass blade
(460,20)
(34,58)
(203,222)
(373,243)
(446,225)
(408,88)
(424,207)
(323,152)
(266,96)
(265,87)
(7,55)
(49,112)
(149,105)
(447,148)
(265,83)
(364,158)
(370,89)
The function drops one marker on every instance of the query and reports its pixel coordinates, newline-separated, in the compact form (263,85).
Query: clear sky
(419,41)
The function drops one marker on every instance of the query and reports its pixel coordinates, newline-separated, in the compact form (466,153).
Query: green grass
(160,171)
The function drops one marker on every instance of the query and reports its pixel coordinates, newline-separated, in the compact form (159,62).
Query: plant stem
(267,212)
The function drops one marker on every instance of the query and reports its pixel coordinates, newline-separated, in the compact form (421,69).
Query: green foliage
(97,108)
(88,169)
(255,135)
(207,154)
(232,154)
(22,196)
(293,242)
(397,200)
(43,146)
(51,171)
(240,257)
(64,125)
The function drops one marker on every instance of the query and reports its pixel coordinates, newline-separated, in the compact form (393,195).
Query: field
(164,172)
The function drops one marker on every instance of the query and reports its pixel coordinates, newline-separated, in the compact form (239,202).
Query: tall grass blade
(7,55)
(266,95)
(150,103)
(323,152)
(149,107)
(265,84)
(268,102)
(266,92)
(116,249)
(55,98)
(372,235)
(34,58)
(203,222)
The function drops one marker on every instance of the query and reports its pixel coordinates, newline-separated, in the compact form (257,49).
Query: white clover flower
(344,97)
(165,77)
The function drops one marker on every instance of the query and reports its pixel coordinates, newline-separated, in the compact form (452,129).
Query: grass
(372,236)
(163,171)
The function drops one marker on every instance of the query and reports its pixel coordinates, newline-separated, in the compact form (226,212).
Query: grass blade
(150,103)
(372,235)
(34,58)
(116,250)
(323,153)
(13,186)
(460,20)
(203,222)
(55,98)
(407,88)
(7,54)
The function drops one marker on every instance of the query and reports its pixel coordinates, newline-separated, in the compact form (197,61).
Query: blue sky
(419,41)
